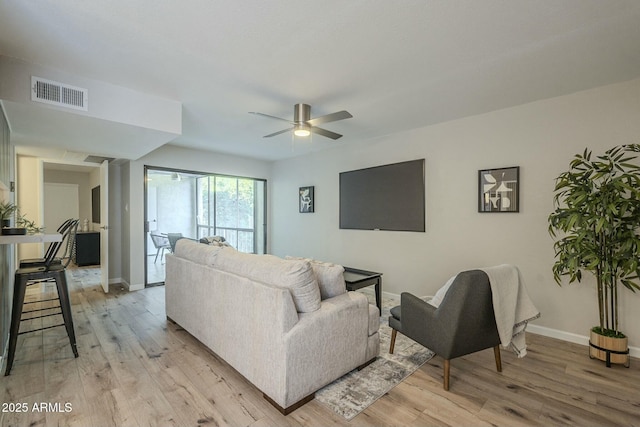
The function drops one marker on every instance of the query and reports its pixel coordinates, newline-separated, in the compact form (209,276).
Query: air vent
(60,94)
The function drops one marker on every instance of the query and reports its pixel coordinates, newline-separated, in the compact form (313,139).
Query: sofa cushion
(196,252)
(295,275)
(330,277)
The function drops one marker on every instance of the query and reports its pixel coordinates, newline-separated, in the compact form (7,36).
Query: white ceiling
(393,65)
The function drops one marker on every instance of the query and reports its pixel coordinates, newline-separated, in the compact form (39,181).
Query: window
(233,208)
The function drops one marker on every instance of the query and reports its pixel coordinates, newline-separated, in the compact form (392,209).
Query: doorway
(69,191)
(169,209)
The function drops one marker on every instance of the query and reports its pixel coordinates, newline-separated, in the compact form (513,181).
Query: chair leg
(19,290)
(156,259)
(393,340)
(447,369)
(65,305)
(496,352)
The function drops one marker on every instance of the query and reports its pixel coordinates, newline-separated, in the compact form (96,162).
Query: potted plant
(596,222)
(7,210)
(30,226)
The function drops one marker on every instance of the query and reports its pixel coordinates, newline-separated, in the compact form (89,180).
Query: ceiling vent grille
(60,94)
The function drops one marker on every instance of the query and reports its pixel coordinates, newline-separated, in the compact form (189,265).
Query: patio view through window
(232,208)
(193,205)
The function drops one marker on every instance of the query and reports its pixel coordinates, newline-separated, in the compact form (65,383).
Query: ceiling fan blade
(340,115)
(325,132)
(278,133)
(271,117)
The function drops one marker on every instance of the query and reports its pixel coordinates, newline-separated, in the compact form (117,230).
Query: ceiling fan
(303,124)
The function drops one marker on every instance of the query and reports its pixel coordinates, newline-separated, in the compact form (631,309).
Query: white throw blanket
(511,303)
(512,306)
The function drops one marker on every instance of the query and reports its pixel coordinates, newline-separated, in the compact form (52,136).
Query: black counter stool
(68,241)
(33,275)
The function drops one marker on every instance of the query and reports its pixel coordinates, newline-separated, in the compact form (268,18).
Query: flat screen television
(388,197)
(95,205)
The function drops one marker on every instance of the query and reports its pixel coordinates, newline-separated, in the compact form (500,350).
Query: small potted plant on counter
(7,212)
(24,223)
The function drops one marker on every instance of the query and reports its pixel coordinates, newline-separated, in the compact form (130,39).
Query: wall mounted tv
(388,197)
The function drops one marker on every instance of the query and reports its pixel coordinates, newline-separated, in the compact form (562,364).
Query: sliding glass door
(193,205)
(233,208)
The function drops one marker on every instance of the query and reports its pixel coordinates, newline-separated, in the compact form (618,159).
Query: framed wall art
(499,190)
(306,200)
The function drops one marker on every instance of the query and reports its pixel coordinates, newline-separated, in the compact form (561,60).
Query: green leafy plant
(596,222)
(7,210)
(24,222)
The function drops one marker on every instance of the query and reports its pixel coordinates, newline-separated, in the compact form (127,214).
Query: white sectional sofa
(287,325)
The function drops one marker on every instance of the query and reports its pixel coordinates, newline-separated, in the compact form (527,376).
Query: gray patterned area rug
(354,392)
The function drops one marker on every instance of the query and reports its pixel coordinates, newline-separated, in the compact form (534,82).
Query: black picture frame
(499,190)
(306,199)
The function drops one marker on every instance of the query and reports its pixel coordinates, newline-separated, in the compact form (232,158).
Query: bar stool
(33,275)
(68,240)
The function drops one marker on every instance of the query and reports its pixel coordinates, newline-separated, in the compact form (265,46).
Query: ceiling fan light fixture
(304,125)
(302,130)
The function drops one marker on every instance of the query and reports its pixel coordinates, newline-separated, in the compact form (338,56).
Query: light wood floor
(136,369)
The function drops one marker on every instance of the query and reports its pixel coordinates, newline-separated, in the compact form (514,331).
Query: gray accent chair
(463,323)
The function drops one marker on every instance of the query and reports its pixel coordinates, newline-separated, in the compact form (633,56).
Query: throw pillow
(297,276)
(330,277)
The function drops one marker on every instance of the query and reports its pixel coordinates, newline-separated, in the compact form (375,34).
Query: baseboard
(570,337)
(534,329)
(130,287)
(138,287)
(121,281)
(389,295)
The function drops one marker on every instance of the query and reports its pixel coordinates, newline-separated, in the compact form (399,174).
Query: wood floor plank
(62,380)
(151,406)
(27,371)
(229,400)
(498,413)
(25,416)
(137,369)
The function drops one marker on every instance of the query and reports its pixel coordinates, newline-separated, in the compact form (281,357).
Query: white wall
(84,191)
(107,101)
(170,157)
(540,137)
(29,200)
(61,202)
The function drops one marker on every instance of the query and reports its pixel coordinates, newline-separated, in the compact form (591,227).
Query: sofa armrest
(327,343)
